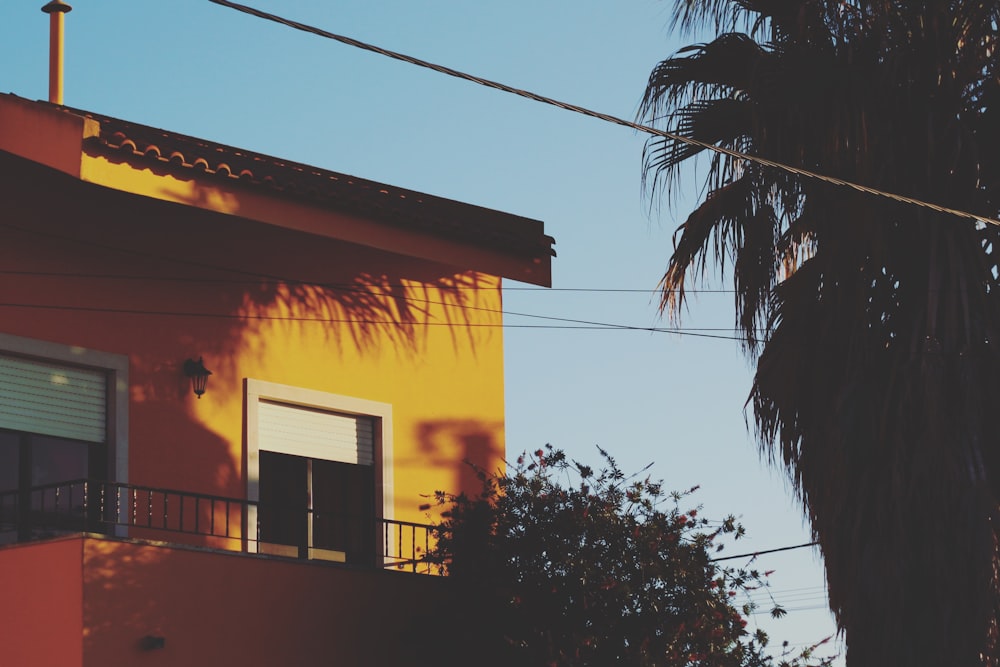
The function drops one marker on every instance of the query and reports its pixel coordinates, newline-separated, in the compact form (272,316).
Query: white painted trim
(115,365)
(255,390)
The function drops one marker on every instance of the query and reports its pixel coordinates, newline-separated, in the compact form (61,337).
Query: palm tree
(875,325)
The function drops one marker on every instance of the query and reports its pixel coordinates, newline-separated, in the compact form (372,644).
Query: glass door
(343,497)
(312,508)
(284,504)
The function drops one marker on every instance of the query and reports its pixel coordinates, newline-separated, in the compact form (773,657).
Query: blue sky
(677,401)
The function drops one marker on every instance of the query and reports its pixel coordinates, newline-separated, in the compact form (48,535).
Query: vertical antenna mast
(56,9)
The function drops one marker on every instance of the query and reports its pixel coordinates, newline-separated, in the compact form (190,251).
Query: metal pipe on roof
(56,9)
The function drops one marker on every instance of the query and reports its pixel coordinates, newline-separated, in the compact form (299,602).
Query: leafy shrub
(565,565)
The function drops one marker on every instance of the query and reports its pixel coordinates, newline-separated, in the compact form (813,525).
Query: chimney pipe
(56,9)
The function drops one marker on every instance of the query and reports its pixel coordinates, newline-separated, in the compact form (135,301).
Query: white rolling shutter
(52,399)
(316,434)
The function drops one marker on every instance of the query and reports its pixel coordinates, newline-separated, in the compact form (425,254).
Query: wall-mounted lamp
(199,375)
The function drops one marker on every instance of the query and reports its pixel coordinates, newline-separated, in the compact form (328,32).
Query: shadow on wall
(162,282)
(476,443)
(366,310)
(157,263)
(111,617)
(315,278)
(214,609)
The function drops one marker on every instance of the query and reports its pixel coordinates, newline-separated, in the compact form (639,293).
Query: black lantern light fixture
(199,375)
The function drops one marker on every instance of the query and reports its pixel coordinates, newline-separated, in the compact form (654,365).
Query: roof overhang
(171,167)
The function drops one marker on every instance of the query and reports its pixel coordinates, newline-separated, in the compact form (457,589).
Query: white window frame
(116,368)
(258,390)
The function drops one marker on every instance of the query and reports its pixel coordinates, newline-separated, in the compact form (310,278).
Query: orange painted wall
(89,602)
(418,335)
(232,609)
(41,615)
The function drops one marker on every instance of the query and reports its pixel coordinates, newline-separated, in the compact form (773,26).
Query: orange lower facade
(91,602)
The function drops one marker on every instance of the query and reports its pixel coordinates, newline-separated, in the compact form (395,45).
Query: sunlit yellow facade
(127,251)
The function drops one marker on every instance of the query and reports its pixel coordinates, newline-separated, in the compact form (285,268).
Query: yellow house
(266,513)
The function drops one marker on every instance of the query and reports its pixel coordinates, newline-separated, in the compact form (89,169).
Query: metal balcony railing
(216,522)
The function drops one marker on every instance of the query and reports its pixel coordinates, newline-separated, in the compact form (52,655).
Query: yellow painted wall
(162,282)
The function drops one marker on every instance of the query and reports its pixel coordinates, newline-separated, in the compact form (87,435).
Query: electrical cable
(578,324)
(765,551)
(343,286)
(583,324)
(798,171)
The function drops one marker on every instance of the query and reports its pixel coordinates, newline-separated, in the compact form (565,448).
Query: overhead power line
(798,171)
(765,551)
(344,286)
(570,323)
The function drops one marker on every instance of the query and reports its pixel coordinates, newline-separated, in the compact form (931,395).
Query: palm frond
(875,326)
(710,230)
(721,122)
(726,64)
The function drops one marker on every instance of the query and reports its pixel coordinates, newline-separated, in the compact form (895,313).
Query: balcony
(212,522)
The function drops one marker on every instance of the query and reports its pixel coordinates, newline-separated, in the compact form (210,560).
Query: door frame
(381,413)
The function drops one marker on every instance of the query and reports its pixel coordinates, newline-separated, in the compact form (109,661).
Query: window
(62,419)
(319,467)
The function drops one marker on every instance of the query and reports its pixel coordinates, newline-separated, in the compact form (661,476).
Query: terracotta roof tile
(438,216)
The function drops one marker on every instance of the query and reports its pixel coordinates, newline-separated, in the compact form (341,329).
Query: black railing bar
(399,522)
(402,541)
(403,563)
(126,485)
(165,525)
(133,488)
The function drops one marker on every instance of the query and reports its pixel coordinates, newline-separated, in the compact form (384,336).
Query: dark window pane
(284,500)
(57,460)
(35,471)
(343,509)
(9,460)
(9,466)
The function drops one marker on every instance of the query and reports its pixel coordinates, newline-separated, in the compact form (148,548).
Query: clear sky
(675,400)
